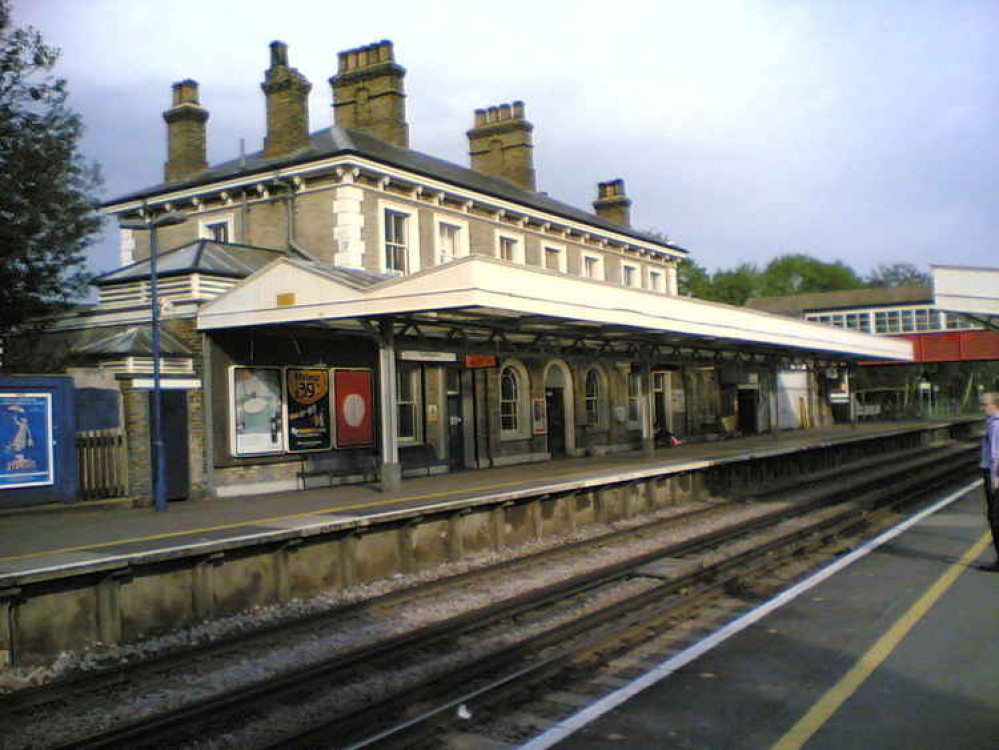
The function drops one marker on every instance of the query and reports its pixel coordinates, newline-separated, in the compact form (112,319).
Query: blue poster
(25,440)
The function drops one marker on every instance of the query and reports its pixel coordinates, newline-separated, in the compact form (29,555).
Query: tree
(692,279)
(735,286)
(799,273)
(47,216)
(898,274)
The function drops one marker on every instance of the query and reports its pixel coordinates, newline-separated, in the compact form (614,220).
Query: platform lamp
(151,224)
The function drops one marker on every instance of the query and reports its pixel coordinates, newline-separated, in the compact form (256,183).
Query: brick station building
(339,307)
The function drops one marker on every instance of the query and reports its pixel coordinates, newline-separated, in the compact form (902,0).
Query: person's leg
(992,508)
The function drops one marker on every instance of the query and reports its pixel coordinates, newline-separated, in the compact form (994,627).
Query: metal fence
(102,461)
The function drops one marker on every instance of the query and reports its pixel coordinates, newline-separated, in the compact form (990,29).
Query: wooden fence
(102,462)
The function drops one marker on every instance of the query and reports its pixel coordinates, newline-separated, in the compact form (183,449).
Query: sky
(853,130)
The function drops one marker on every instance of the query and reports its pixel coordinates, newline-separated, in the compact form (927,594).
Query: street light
(151,224)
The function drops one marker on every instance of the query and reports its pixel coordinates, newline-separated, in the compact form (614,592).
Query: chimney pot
(185,133)
(279,54)
(612,203)
(287,94)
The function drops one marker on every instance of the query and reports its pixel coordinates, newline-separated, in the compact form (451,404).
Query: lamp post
(151,224)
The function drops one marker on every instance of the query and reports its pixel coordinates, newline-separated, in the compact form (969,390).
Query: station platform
(897,650)
(56,532)
(72,578)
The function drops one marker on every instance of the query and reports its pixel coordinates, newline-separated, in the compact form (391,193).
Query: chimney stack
(612,203)
(368,93)
(500,144)
(185,133)
(287,93)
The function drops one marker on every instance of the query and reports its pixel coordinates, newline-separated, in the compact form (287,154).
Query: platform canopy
(972,291)
(480,302)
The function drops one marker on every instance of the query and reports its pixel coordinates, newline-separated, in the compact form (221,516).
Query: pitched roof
(201,256)
(797,304)
(338,141)
(131,341)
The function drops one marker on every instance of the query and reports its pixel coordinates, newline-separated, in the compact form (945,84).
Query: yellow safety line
(239,524)
(829,703)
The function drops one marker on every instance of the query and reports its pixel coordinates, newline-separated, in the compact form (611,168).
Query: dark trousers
(992,507)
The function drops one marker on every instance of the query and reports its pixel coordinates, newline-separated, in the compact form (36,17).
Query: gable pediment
(282,285)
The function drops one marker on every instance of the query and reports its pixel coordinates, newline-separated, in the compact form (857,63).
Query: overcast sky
(851,129)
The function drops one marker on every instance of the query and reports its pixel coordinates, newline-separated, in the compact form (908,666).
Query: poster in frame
(539,416)
(308,409)
(257,410)
(26,440)
(353,408)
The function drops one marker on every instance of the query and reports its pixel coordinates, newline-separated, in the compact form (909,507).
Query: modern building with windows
(953,351)
(341,307)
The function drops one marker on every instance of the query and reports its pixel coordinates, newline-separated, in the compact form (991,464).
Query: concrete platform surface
(838,665)
(45,540)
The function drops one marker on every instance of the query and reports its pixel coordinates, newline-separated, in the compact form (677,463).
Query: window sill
(510,435)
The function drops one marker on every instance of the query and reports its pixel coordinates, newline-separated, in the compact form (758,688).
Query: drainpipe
(289,207)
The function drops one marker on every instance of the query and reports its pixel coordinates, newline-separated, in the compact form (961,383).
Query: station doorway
(558,406)
(176,458)
(454,419)
(662,413)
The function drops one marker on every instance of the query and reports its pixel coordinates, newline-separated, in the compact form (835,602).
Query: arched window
(593,398)
(509,400)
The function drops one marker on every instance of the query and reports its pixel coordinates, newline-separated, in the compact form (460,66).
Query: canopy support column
(390,471)
(774,405)
(648,436)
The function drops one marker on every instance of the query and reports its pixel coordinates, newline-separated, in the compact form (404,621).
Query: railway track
(510,675)
(695,565)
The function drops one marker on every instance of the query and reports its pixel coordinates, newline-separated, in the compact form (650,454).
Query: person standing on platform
(990,468)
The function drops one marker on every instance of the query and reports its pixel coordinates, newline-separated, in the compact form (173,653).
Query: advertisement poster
(354,408)
(539,416)
(308,409)
(26,440)
(257,410)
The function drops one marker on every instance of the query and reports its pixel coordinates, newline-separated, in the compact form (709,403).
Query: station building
(339,307)
(955,347)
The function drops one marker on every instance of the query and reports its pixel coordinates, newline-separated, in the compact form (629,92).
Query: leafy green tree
(798,273)
(735,286)
(693,279)
(47,215)
(898,274)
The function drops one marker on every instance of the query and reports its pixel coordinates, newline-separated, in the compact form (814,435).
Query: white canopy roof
(524,302)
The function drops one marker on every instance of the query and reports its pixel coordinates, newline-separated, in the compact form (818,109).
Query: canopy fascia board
(485,283)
